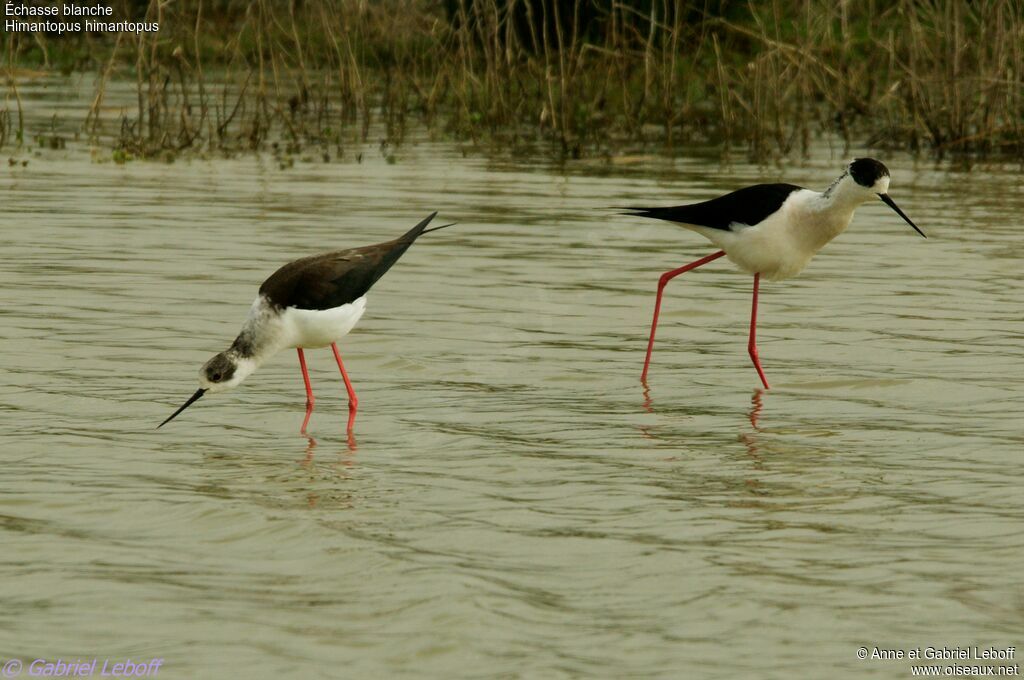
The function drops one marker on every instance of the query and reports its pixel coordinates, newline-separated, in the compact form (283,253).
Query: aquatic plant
(580,77)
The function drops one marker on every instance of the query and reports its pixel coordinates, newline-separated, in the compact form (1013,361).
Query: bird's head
(223,372)
(869,175)
(869,179)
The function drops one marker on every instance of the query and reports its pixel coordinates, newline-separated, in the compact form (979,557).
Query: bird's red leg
(310,399)
(665,278)
(752,345)
(353,401)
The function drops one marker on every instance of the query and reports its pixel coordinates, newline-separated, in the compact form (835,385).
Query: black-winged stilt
(772,230)
(309,303)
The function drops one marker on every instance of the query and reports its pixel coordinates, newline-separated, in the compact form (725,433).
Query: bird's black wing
(336,278)
(748,206)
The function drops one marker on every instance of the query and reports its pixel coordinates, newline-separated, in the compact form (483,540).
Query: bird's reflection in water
(310,445)
(646,431)
(345,457)
(345,461)
(648,402)
(756,405)
(750,439)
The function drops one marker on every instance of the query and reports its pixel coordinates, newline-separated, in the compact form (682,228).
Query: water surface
(516,504)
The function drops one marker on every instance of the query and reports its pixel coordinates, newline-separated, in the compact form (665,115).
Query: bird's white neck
(260,337)
(818,218)
(244,367)
(833,209)
(846,194)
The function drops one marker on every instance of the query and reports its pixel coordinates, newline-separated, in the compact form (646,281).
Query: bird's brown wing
(331,279)
(339,277)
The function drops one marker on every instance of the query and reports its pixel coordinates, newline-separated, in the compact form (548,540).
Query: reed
(10,52)
(578,77)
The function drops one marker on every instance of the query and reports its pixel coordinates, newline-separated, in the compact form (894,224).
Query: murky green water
(516,506)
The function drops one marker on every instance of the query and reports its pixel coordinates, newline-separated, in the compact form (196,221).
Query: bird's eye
(215,377)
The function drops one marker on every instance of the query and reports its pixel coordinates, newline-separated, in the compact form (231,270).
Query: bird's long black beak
(892,204)
(200,392)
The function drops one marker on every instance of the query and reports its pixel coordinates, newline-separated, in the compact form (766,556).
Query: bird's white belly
(311,328)
(780,246)
(774,257)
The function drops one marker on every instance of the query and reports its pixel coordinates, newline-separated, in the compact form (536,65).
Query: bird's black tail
(655,213)
(421,229)
(414,233)
(386,254)
(443,226)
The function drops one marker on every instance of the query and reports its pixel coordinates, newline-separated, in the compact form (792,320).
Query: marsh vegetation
(577,78)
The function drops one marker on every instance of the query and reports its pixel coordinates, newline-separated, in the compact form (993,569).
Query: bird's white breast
(780,246)
(311,328)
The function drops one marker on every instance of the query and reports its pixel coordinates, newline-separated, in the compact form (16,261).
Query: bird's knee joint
(663,281)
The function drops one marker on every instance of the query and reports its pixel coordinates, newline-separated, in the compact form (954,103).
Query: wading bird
(772,230)
(309,303)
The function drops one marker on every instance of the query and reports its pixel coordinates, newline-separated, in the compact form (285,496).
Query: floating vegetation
(579,78)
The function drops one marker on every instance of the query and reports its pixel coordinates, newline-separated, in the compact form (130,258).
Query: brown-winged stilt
(309,303)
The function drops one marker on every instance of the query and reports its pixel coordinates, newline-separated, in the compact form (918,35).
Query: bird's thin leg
(353,401)
(752,345)
(665,278)
(310,399)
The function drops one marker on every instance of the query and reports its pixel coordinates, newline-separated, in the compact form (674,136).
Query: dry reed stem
(584,76)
